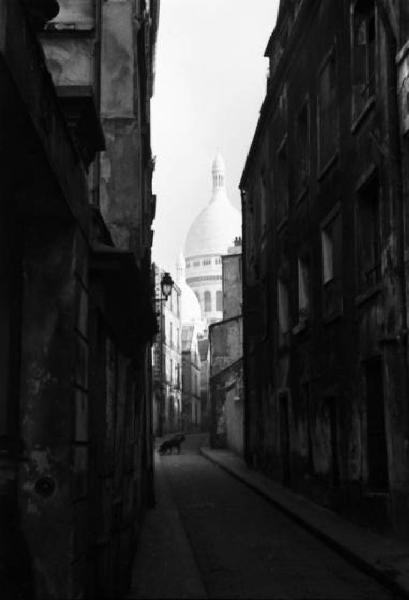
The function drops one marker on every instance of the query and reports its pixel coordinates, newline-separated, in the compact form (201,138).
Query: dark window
(302,148)
(306,400)
(263,201)
(219,300)
(282,183)
(368,233)
(331,410)
(331,249)
(283,311)
(285,438)
(208,302)
(363,59)
(304,288)
(377,457)
(327,111)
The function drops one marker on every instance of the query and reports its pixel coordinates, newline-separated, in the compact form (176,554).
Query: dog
(173,442)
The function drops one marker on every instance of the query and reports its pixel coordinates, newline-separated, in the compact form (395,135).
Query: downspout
(247,410)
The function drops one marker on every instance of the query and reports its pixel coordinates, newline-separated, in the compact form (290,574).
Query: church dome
(190,307)
(215,228)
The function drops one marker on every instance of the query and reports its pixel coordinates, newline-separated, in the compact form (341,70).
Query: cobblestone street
(210,536)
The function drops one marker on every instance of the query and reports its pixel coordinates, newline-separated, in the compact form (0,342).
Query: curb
(357,560)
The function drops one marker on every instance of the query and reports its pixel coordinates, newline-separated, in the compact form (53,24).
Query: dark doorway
(333,439)
(377,456)
(306,396)
(285,438)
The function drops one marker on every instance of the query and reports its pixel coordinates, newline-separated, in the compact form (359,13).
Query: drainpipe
(246,403)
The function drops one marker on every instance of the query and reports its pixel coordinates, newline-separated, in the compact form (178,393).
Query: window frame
(324,163)
(358,113)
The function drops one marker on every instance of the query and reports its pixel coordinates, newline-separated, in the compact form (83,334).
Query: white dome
(215,228)
(190,307)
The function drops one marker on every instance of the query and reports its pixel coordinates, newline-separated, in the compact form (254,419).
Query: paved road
(240,546)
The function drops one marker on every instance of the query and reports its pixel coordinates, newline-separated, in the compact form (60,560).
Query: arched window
(219,300)
(208,301)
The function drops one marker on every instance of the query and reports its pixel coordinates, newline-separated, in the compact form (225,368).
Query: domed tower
(209,237)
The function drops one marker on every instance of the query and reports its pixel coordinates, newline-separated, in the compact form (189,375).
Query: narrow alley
(212,537)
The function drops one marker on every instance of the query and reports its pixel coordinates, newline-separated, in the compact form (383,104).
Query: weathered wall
(232,286)
(226,343)
(75,422)
(122,180)
(227,415)
(309,419)
(53,406)
(234,419)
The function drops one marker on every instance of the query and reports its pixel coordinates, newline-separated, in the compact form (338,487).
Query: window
(368,235)
(171,371)
(282,103)
(208,302)
(207,261)
(331,252)
(363,56)
(331,417)
(283,309)
(218,261)
(282,183)
(302,148)
(304,289)
(327,112)
(171,334)
(196,263)
(377,453)
(219,300)
(188,264)
(327,242)
(263,201)
(178,339)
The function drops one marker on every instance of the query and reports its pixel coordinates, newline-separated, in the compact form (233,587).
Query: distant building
(226,359)
(191,392)
(167,361)
(209,237)
(325,197)
(204,351)
(192,329)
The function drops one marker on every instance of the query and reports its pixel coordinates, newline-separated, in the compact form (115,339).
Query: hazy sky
(209,86)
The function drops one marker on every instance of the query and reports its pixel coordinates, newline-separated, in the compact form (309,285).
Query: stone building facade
(167,362)
(76,315)
(191,388)
(325,242)
(226,359)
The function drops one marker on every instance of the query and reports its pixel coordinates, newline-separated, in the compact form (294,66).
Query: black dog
(173,442)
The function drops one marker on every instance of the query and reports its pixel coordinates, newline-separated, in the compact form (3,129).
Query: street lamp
(166,286)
